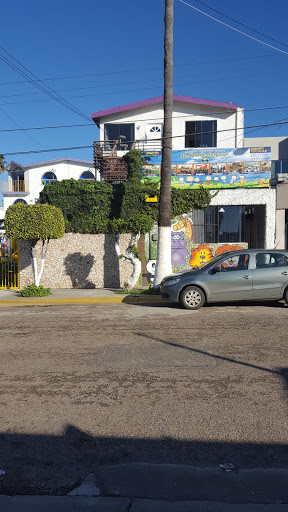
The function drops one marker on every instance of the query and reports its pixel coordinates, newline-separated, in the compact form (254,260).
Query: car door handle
(284,273)
(246,277)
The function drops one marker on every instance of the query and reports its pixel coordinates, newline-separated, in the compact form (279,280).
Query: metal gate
(9,263)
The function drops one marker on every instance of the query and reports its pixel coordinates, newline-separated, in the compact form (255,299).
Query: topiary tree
(33,223)
(136,225)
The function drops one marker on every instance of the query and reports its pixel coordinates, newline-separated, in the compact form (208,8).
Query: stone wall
(78,261)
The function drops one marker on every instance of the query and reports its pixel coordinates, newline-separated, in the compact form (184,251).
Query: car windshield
(211,262)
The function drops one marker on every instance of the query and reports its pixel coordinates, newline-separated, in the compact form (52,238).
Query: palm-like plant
(2,163)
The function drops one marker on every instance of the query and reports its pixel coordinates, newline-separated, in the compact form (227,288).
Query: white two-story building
(237,213)
(25,182)
(196,123)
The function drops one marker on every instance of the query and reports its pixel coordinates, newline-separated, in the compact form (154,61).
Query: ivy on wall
(98,207)
(86,205)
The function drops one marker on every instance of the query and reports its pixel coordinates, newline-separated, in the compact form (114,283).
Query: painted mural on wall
(185,254)
(4,246)
(214,168)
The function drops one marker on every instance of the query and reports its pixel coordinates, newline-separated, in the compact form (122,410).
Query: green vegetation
(98,207)
(35,291)
(34,222)
(86,205)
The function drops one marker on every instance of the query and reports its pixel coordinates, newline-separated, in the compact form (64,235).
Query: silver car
(233,276)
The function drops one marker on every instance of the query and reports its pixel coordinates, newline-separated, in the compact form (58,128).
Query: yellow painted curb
(128,299)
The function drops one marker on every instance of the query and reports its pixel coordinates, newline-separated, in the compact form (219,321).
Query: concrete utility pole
(163,265)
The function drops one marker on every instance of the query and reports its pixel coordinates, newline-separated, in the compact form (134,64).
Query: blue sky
(98,55)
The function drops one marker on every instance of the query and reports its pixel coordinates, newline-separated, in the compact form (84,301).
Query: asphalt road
(82,386)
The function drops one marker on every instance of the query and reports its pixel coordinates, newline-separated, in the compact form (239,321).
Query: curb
(127,299)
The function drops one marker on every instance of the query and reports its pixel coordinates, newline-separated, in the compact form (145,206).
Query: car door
(231,279)
(270,275)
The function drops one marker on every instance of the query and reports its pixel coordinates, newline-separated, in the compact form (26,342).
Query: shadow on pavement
(153,301)
(36,464)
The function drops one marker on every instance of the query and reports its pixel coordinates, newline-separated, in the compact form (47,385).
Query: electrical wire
(139,69)
(44,88)
(233,28)
(276,123)
(187,116)
(242,24)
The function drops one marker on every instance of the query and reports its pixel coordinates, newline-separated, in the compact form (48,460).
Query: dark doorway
(255,222)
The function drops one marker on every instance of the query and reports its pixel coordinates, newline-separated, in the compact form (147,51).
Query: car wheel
(286,296)
(192,297)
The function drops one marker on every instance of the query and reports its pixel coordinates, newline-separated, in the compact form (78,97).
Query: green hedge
(34,222)
(86,205)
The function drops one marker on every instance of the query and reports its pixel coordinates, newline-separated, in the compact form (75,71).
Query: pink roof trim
(159,99)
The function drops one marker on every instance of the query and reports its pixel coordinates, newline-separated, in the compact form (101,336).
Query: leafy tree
(2,163)
(33,223)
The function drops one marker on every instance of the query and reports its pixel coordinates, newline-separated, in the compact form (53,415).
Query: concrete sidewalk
(84,504)
(76,296)
(165,488)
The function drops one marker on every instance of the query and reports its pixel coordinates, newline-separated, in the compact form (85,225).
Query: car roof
(253,251)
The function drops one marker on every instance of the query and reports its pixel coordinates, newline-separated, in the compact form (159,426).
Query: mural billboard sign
(214,167)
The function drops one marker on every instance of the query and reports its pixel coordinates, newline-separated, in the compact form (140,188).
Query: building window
(87,175)
(156,129)
(201,134)
(48,177)
(22,201)
(219,224)
(124,133)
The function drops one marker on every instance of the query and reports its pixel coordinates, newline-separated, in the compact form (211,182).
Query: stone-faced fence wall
(78,261)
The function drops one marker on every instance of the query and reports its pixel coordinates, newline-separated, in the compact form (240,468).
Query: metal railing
(148,145)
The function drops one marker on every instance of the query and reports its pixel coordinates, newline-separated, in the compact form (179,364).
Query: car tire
(192,297)
(286,296)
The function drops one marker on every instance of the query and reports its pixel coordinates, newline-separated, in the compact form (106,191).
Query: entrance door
(154,132)
(255,223)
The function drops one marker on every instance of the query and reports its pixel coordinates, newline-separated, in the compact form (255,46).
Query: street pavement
(86,388)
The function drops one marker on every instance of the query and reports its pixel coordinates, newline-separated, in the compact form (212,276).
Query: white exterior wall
(64,170)
(246,197)
(145,117)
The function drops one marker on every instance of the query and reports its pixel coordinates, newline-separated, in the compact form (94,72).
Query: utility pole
(163,264)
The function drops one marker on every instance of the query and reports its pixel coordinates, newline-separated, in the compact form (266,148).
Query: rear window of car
(270,260)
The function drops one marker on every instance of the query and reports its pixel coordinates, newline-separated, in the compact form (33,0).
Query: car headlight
(170,282)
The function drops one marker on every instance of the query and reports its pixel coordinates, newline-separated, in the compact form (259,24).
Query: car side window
(270,260)
(235,262)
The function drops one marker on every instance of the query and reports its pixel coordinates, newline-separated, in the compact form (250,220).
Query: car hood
(181,274)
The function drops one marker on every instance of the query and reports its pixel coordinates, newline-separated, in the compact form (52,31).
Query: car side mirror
(215,270)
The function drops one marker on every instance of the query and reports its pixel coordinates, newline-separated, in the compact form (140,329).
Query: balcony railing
(14,186)
(148,145)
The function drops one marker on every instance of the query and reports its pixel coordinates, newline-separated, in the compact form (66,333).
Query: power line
(117,85)
(44,88)
(136,120)
(276,123)
(233,28)
(136,70)
(118,92)
(242,24)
